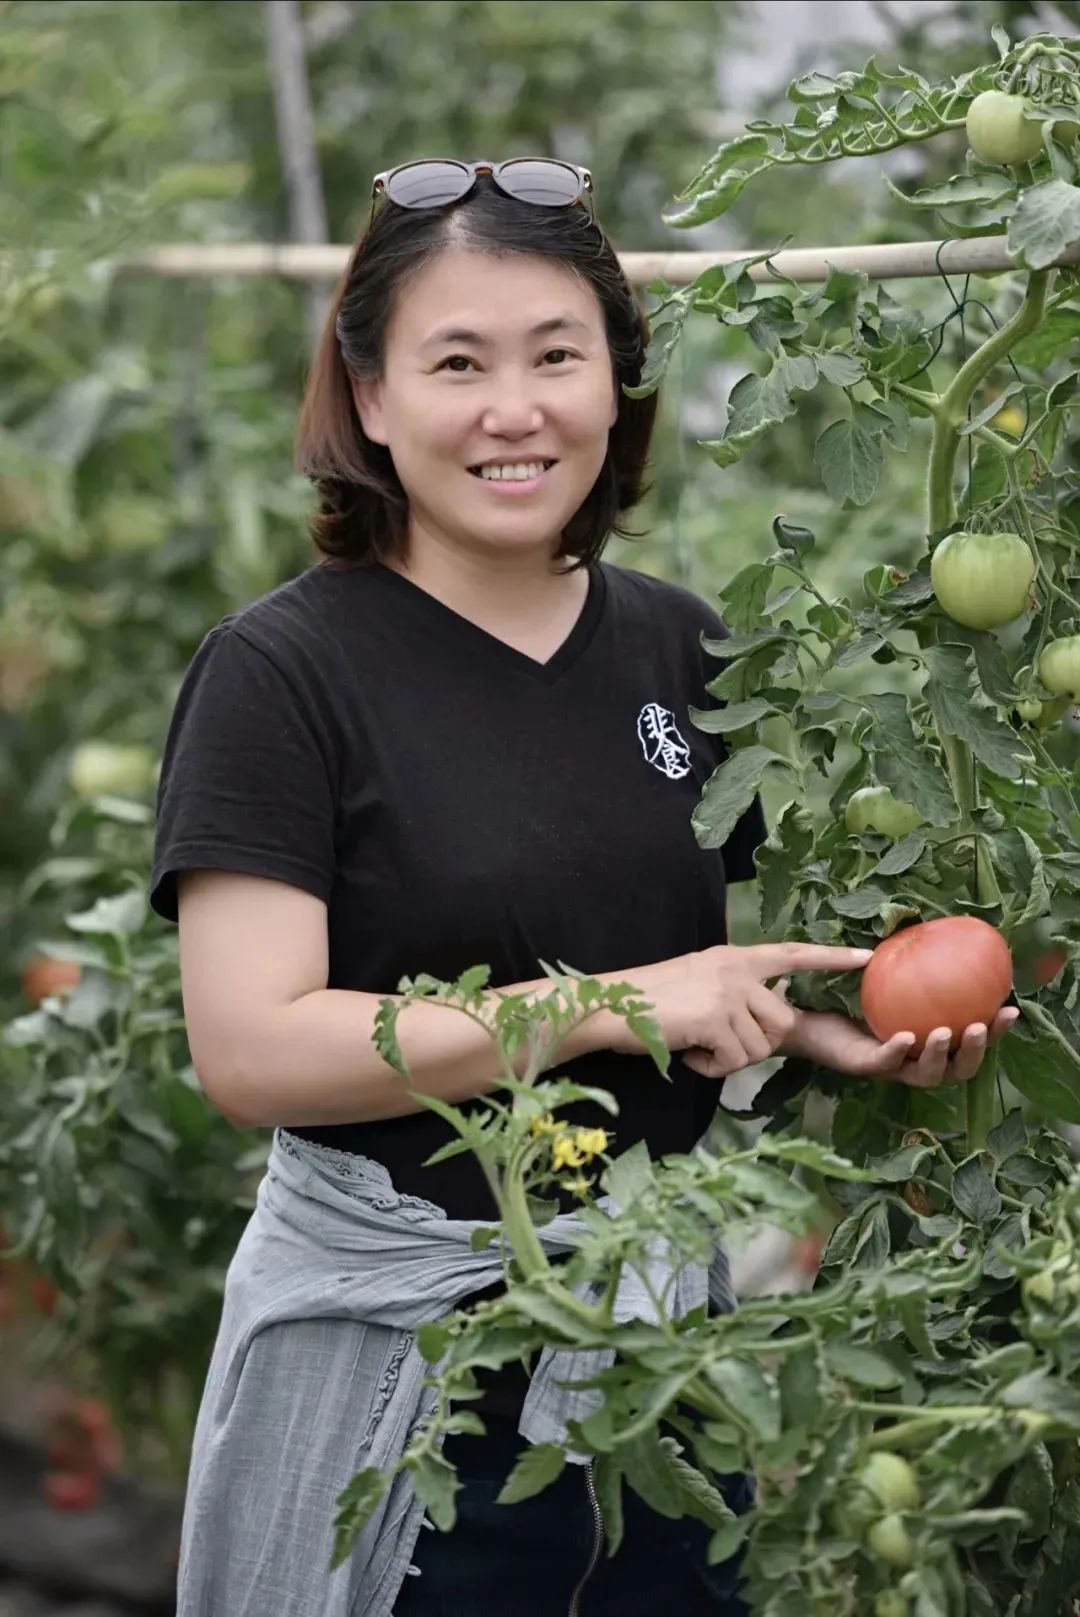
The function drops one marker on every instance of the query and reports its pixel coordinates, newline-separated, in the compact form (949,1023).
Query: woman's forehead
(495,297)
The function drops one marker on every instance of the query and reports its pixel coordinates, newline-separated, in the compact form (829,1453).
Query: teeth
(519,473)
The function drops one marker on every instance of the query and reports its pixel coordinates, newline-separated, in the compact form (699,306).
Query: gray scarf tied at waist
(315,1375)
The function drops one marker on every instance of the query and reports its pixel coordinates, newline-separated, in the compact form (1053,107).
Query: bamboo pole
(887,261)
(296,143)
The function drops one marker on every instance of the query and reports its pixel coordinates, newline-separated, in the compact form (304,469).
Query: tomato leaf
(746,595)
(781,860)
(1046,221)
(906,761)
(535,1469)
(902,855)
(862,1366)
(849,461)
(975,1193)
(729,792)
(961,710)
(1047,1069)
(355,1506)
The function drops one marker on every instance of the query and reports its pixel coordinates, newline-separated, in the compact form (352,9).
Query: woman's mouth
(513,477)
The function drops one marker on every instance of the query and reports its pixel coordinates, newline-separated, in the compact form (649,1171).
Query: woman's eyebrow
(558,322)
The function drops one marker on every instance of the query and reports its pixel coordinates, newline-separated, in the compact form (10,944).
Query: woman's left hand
(849,1047)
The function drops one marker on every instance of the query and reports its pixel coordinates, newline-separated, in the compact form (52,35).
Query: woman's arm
(272,1045)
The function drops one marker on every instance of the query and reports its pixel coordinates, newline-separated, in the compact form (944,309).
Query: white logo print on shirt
(661,742)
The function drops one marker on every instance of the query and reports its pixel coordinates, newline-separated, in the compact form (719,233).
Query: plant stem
(517,1221)
(981,1091)
(961,390)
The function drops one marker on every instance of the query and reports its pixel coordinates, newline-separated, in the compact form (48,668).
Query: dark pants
(525,1560)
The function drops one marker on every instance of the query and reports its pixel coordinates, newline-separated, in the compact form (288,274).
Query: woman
(460,737)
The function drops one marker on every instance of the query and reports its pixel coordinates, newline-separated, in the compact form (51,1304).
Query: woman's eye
(451,361)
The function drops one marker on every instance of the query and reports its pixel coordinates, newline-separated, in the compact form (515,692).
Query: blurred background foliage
(146,485)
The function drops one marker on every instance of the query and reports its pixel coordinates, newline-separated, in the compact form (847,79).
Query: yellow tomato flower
(578,1186)
(544,1124)
(592,1141)
(565,1153)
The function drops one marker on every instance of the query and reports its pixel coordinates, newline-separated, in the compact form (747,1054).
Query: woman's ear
(367,397)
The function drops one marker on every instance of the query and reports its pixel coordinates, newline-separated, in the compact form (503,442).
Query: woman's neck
(515,591)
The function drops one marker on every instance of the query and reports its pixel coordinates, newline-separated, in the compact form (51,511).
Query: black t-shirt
(456,802)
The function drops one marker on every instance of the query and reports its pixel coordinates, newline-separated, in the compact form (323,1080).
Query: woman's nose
(512,409)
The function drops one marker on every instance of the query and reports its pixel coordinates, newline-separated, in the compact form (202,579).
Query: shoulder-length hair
(362,514)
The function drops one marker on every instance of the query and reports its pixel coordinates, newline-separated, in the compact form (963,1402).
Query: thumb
(777,959)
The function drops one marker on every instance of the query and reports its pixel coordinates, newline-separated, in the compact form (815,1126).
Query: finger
(754,1040)
(777,959)
(726,1056)
(1003,1021)
(968,1059)
(703,1062)
(894,1055)
(771,1012)
(931,1065)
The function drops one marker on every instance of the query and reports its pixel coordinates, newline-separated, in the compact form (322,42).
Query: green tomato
(891,1603)
(1059,667)
(98,768)
(888,1539)
(982,579)
(891,1480)
(874,808)
(1042,714)
(997,130)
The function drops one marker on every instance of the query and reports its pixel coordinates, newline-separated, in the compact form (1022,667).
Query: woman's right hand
(715,1002)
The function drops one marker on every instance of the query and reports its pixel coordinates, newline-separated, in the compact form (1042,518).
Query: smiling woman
(459,738)
(404,402)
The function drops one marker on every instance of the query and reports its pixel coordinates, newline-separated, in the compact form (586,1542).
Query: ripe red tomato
(71,1490)
(44,976)
(1047,965)
(945,973)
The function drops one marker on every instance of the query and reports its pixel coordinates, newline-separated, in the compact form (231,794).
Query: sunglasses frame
(484,166)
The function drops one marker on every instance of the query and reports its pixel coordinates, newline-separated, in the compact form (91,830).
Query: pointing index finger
(777,959)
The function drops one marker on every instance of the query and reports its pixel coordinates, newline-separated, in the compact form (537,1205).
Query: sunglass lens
(426,185)
(550,184)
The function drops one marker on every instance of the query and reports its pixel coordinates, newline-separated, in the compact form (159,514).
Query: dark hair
(363,509)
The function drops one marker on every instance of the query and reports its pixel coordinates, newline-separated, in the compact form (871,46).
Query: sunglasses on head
(431,183)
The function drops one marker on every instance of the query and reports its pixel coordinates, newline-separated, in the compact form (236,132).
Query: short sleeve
(750,830)
(247,775)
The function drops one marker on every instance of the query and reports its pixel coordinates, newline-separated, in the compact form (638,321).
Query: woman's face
(470,378)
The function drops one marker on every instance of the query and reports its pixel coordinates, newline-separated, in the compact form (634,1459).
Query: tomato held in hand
(946,973)
(982,580)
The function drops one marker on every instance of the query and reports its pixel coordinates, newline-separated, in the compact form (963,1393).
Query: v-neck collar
(545,673)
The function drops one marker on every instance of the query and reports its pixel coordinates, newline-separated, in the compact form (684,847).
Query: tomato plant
(914,1420)
(982,579)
